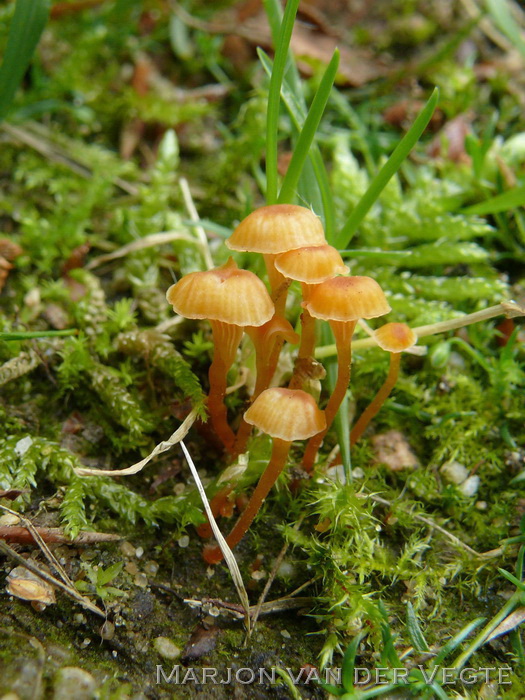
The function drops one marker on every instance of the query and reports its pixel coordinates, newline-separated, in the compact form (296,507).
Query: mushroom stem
(217,504)
(379,399)
(226,339)
(343,332)
(268,478)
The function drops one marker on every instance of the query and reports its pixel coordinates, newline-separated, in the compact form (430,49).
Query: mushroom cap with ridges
(395,337)
(276,326)
(287,414)
(225,294)
(312,264)
(276,229)
(347,299)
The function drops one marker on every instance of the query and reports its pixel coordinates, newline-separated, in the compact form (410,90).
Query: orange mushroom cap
(276,229)
(312,264)
(395,337)
(287,414)
(347,299)
(276,326)
(225,294)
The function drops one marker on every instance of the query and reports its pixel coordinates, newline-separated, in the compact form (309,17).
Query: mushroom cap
(312,264)
(225,294)
(276,229)
(347,299)
(287,414)
(395,337)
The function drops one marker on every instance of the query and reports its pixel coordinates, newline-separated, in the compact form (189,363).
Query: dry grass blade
(150,241)
(226,551)
(164,446)
(194,216)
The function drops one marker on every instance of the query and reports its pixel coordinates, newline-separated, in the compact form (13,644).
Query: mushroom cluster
(292,242)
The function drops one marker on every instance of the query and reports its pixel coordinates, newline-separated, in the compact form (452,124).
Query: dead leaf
(202,641)
(509,623)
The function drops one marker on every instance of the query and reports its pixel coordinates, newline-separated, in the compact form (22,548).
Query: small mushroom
(286,415)
(230,299)
(310,266)
(342,301)
(395,338)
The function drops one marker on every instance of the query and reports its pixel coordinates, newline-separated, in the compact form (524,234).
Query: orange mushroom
(394,338)
(286,415)
(230,299)
(272,230)
(342,301)
(310,266)
(263,337)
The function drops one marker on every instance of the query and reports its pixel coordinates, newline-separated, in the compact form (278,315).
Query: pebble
(73,682)
(454,472)
(470,486)
(141,580)
(184,541)
(127,549)
(166,648)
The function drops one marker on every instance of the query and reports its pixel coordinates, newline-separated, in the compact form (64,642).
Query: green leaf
(456,640)
(388,170)
(28,23)
(503,202)
(347,675)
(38,334)
(307,135)
(414,630)
(104,576)
(519,584)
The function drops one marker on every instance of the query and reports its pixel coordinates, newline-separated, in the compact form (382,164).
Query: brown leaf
(202,641)
(11,494)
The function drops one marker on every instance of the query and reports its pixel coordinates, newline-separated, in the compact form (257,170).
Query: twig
(492,554)
(54,535)
(71,592)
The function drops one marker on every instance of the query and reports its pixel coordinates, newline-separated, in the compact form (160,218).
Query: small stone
(258,575)
(139,552)
(481,505)
(141,580)
(470,486)
(151,568)
(286,634)
(393,450)
(127,549)
(454,472)
(73,682)
(9,519)
(166,648)
(184,541)
(107,631)
(131,568)
(23,445)
(179,488)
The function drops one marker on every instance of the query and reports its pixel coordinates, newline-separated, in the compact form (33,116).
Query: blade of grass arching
(342,419)
(274,98)
(297,112)
(26,335)
(499,11)
(389,169)
(27,25)
(307,134)
(502,202)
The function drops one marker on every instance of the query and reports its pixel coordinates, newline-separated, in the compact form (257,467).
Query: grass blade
(389,169)
(307,134)
(500,14)
(414,630)
(274,99)
(502,202)
(297,112)
(28,23)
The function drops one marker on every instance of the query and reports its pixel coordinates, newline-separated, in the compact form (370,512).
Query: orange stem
(379,399)
(270,475)
(226,339)
(343,332)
